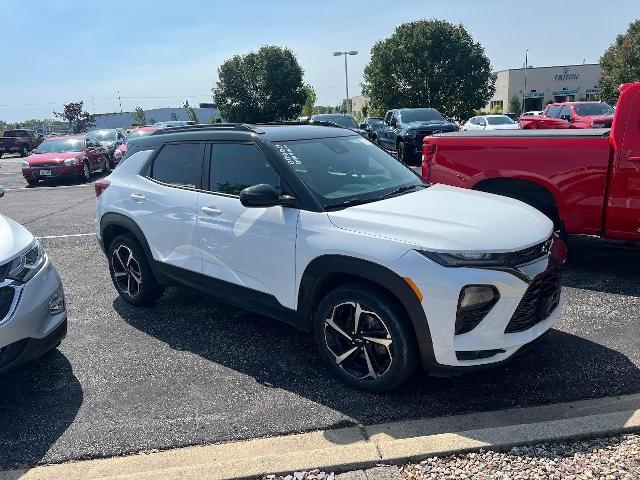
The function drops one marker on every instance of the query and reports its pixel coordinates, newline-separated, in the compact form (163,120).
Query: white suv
(318,227)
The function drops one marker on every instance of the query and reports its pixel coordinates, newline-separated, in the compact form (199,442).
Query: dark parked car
(345,121)
(110,139)
(19,140)
(372,125)
(405,128)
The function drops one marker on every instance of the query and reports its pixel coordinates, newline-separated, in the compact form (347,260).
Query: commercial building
(545,85)
(125,119)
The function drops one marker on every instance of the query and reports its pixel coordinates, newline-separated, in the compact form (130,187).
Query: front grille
(539,301)
(6,299)
(530,254)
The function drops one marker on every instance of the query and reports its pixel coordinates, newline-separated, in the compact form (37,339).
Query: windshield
(593,109)
(345,121)
(500,120)
(103,135)
(421,115)
(60,146)
(343,169)
(137,134)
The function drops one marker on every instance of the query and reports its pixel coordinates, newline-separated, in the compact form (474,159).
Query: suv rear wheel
(363,337)
(131,273)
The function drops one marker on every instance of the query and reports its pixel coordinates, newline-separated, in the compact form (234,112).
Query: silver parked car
(33,317)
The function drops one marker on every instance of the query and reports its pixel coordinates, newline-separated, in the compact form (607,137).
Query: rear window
(16,133)
(500,120)
(178,164)
(553,111)
(593,109)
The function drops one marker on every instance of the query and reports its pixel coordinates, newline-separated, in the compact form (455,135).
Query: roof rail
(210,126)
(320,123)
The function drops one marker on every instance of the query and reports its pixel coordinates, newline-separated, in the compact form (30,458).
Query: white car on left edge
(491,122)
(33,317)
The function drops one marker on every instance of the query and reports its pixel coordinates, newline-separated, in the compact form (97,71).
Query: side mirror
(264,195)
(1,191)
(566,117)
(363,126)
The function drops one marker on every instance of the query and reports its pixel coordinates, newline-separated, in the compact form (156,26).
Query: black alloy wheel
(364,338)
(86,171)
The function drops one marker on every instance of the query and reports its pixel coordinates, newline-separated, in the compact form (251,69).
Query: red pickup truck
(587,181)
(570,115)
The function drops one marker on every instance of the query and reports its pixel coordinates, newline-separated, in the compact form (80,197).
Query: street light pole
(526,65)
(346,74)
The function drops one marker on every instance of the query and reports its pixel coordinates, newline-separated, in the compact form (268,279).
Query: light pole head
(337,54)
(352,52)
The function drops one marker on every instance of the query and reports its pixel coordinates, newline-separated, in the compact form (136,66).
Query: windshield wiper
(348,203)
(401,190)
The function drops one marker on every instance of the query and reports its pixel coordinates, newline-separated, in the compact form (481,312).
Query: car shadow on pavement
(562,367)
(38,402)
(603,266)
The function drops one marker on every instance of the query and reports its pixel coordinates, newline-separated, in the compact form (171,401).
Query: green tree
(191,113)
(309,103)
(79,119)
(515,105)
(139,117)
(429,63)
(620,63)
(262,86)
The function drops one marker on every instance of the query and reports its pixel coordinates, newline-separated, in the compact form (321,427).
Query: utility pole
(526,66)
(120,101)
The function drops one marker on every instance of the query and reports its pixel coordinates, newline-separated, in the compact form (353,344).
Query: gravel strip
(602,458)
(613,458)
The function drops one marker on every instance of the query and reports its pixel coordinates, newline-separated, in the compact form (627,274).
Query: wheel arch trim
(372,272)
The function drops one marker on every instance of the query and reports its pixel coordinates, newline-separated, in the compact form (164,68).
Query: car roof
(244,132)
(67,137)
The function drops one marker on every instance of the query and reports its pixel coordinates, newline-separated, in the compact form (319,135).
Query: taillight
(101,186)
(428,149)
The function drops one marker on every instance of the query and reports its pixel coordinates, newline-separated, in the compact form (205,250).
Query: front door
(623,207)
(246,247)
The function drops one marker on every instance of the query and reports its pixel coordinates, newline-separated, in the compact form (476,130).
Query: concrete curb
(359,447)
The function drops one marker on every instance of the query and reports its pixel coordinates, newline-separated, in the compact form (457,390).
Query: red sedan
(135,133)
(71,156)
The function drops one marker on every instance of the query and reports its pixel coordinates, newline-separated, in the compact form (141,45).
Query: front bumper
(487,343)
(58,171)
(29,329)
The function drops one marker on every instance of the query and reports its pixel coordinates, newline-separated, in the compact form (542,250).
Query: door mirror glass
(565,117)
(363,126)
(262,196)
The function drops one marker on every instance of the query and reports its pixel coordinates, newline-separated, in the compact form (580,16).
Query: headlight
(27,265)
(474,259)
(25,164)
(71,161)
(411,133)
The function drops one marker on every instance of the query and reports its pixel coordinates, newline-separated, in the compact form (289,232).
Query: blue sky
(161,52)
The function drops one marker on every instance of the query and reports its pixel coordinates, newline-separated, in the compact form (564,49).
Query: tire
(131,273)
(107,164)
(375,365)
(24,151)
(86,171)
(33,183)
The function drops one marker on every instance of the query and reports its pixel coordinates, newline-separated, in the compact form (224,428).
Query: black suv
(405,129)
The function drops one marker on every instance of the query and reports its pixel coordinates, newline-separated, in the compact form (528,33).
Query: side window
(482,122)
(554,111)
(178,164)
(565,111)
(236,166)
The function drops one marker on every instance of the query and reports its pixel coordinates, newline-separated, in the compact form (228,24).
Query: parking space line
(71,235)
(31,189)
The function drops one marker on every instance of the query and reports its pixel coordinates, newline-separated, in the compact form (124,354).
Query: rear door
(163,202)
(622,218)
(246,247)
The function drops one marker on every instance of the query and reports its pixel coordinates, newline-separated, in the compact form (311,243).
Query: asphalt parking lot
(191,371)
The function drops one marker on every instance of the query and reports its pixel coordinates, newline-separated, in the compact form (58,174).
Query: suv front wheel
(131,273)
(364,338)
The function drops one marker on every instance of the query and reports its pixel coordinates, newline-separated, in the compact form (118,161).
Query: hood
(15,239)
(430,125)
(446,219)
(50,158)
(597,118)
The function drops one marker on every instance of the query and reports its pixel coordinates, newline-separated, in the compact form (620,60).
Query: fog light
(56,303)
(474,304)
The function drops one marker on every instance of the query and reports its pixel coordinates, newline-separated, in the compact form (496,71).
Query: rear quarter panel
(574,170)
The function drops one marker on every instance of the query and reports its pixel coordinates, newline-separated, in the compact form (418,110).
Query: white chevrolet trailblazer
(316,226)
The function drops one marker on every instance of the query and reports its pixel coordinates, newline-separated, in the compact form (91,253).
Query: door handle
(137,197)
(213,211)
